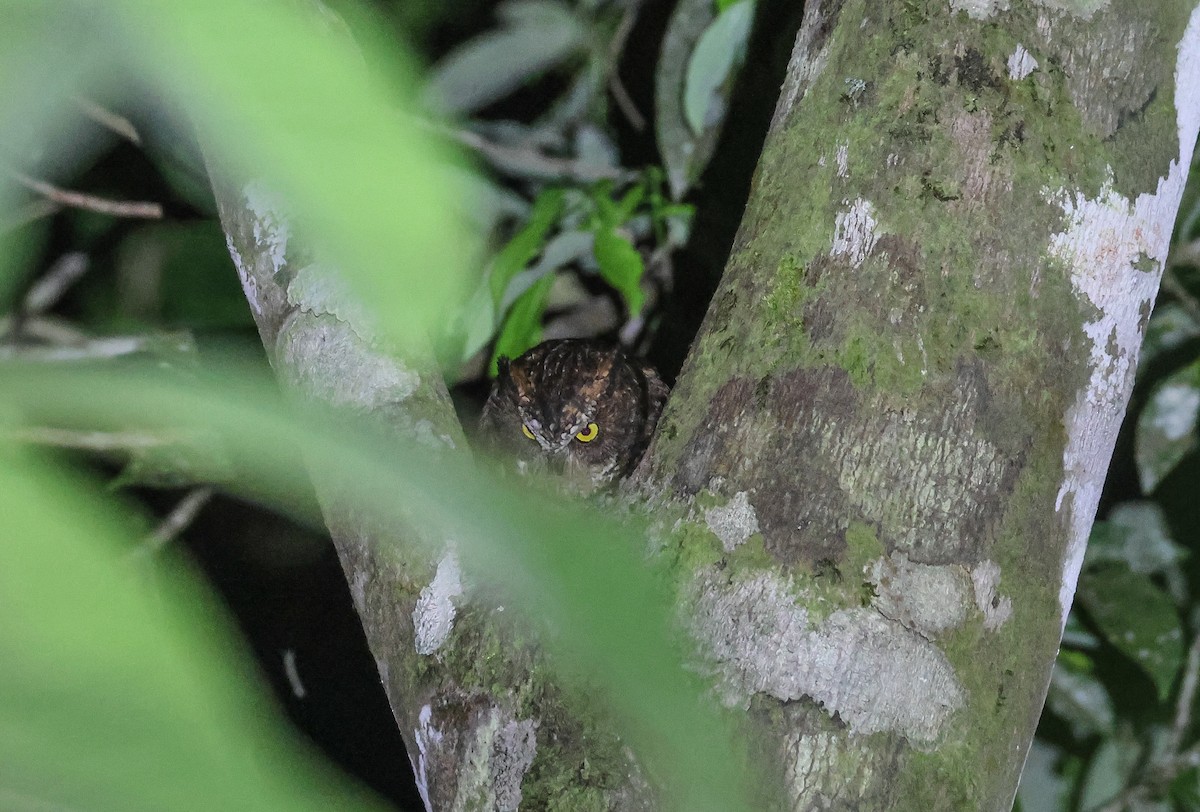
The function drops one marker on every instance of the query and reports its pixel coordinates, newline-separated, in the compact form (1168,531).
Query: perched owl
(576,408)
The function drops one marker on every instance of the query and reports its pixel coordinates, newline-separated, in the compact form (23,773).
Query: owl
(576,408)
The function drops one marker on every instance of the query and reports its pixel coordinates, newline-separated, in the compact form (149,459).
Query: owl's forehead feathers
(559,386)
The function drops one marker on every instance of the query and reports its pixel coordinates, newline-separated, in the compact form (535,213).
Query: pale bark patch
(806,63)
(270,227)
(927,598)
(1021,63)
(733,523)
(874,674)
(495,764)
(433,616)
(825,764)
(855,232)
(322,291)
(427,738)
(979,9)
(249,283)
(309,346)
(996,608)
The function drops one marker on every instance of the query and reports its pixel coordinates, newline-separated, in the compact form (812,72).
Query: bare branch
(175,522)
(615,85)
(117,208)
(109,120)
(47,291)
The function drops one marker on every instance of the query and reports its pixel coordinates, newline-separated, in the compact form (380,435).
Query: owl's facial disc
(556,432)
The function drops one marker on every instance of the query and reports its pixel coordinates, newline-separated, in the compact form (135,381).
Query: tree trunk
(890,438)
(887,445)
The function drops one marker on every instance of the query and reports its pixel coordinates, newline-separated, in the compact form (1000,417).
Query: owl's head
(574,408)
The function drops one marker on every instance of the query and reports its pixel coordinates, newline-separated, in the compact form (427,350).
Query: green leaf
(683,154)
(719,51)
(1109,771)
(1170,326)
(1043,788)
(1166,427)
(1138,619)
(621,266)
(526,243)
(1079,699)
(1185,789)
(536,36)
(578,578)
(180,274)
(1135,534)
(121,692)
(523,326)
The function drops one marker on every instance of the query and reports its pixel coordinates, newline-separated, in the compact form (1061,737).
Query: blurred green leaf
(1079,699)
(579,578)
(526,243)
(1135,534)
(684,155)
(1185,789)
(563,249)
(523,327)
(1166,427)
(284,97)
(1108,771)
(1138,619)
(1076,634)
(1042,788)
(180,274)
(123,693)
(621,266)
(719,51)
(177,461)
(536,35)
(1170,326)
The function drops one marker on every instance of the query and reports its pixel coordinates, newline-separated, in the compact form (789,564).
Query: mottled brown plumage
(579,408)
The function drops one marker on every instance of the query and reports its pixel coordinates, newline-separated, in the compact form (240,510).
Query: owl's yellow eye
(525,430)
(589,433)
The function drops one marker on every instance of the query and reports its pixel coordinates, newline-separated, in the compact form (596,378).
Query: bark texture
(889,439)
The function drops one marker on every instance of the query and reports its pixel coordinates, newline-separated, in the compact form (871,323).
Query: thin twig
(178,520)
(615,85)
(43,328)
(109,120)
(92,350)
(117,208)
(47,291)
(1187,696)
(97,441)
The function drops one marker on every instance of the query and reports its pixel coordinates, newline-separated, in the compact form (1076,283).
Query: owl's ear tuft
(502,364)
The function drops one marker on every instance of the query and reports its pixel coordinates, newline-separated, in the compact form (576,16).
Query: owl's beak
(578,475)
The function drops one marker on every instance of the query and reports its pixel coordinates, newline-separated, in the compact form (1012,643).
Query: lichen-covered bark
(888,441)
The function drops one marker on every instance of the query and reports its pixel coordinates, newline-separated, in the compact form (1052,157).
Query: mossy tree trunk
(888,442)
(893,429)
